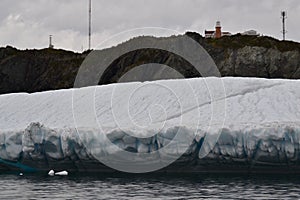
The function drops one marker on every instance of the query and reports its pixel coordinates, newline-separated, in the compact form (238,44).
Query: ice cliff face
(236,124)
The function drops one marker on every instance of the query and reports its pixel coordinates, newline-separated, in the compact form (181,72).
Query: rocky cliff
(246,56)
(37,70)
(252,56)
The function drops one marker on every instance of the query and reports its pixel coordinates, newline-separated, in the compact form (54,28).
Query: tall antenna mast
(90,23)
(50,42)
(283,16)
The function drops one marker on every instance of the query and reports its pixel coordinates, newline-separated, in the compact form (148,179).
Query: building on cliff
(217,33)
(250,32)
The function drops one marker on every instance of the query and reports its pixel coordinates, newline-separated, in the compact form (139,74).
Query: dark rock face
(251,56)
(245,56)
(133,59)
(37,70)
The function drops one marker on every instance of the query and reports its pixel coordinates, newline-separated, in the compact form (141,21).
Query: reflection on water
(158,186)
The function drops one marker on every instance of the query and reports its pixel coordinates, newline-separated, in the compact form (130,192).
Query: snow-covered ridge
(247,101)
(257,122)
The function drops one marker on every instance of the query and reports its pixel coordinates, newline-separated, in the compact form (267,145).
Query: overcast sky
(28,23)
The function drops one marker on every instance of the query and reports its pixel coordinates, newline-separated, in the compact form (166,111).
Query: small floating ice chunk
(51,173)
(62,173)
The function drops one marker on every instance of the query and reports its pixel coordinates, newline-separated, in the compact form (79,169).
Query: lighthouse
(218,32)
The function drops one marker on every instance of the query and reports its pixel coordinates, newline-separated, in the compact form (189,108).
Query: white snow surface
(158,104)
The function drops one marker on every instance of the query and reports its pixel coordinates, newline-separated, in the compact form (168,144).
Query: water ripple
(120,186)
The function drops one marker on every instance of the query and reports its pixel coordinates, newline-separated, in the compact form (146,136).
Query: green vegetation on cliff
(239,41)
(237,55)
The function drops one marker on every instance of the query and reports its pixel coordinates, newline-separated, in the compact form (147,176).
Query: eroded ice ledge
(256,121)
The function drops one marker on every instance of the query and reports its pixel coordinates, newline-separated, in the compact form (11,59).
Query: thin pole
(90,23)
(283,15)
(50,41)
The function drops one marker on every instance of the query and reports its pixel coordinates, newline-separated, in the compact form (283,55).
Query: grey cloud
(27,23)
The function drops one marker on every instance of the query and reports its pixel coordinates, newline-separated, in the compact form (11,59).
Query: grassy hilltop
(237,55)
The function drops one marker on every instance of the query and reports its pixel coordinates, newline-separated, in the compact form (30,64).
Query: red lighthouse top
(217,33)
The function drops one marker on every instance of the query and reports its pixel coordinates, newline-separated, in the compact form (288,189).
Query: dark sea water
(158,186)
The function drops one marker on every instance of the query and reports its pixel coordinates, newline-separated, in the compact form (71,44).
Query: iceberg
(188,125)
